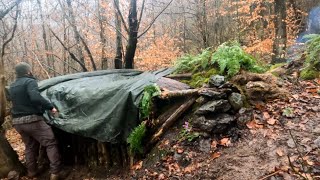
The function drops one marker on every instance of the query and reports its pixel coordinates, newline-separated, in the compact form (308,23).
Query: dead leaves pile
(297,123)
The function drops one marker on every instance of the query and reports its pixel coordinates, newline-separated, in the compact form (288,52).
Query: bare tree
(132,29)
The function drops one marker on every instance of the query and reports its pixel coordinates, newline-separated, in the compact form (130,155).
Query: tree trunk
(280,41)
(8,158)
(118,58)
(75,31)
(102,19)
(133,35)
(47,48)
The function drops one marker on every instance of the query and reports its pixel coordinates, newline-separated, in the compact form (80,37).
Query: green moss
(308,74)
(200,78)
(275,66)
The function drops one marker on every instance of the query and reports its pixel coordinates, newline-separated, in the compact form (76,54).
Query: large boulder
(213,107)
(214,124)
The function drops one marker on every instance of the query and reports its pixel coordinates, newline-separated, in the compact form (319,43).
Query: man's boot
(63,174)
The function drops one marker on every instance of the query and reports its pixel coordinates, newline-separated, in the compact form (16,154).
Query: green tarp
(103,105)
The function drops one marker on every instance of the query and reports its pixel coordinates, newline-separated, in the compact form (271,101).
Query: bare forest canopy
(67,36)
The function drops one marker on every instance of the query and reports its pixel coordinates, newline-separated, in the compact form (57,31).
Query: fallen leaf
(225,142)
(216,155)
(161,176)
(266,115)
(291,143)
(279,152)
(271,121)
(214,144)
(253,125)
(137,166)
(180,150)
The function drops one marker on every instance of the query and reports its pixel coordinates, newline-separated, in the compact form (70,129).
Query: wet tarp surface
(103,105)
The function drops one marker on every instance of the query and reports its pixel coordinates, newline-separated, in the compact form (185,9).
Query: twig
(272,174)
(292,167)
(300,154)
(41,64)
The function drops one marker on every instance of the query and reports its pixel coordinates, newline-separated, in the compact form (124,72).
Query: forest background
(68,36)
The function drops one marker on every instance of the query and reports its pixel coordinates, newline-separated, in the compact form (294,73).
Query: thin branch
(121,17)
(89,53)
(12,35)
(40,64)
(64,62)
(152,22)
(117,30)
(141,13)
(5,12)
(70,53)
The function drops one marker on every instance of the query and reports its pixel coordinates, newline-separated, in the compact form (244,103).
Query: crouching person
(27,109)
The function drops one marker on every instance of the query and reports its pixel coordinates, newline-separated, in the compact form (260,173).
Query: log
(180,76)
(170,84)
(183,108)
(170,94)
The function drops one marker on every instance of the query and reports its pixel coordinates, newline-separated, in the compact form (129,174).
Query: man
(27,109)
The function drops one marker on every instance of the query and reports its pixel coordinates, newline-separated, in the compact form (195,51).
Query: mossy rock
(309,74)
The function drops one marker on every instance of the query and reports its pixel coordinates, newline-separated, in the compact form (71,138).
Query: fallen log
(170,94)
(183,108)
(180,76)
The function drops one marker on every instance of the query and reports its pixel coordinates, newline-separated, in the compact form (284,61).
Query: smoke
(313,25)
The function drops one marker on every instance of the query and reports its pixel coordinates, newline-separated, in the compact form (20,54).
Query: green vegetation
(135,139)
(228,60)
(309,73)
(312,63)
(198,79)
(187,133)
(198,63)
(231,58)
(146,102)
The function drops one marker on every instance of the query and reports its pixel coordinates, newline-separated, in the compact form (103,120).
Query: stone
(216,124)
(236,100)
(205,145)
(216,81)
(213,94)
(229,85)
(223,121)
(244,116)
(212,107)
(317,142)
(13,175)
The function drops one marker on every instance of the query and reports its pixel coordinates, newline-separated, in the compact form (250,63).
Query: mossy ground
(309,73)
(200,78)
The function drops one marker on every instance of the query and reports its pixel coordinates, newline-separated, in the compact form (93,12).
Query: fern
(135,139)
(189,63)
(146,102)
(230,58)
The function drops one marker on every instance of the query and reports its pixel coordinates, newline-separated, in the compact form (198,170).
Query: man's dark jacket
(26,99)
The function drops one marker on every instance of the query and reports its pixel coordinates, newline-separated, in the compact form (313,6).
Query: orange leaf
(225,142)
(137,166)
(279,152)
(253,125)
(216,155)
(266,115)
(180,150)
(271,121)
(214,144)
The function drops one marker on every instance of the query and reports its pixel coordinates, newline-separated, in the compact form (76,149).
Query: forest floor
(281,142)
